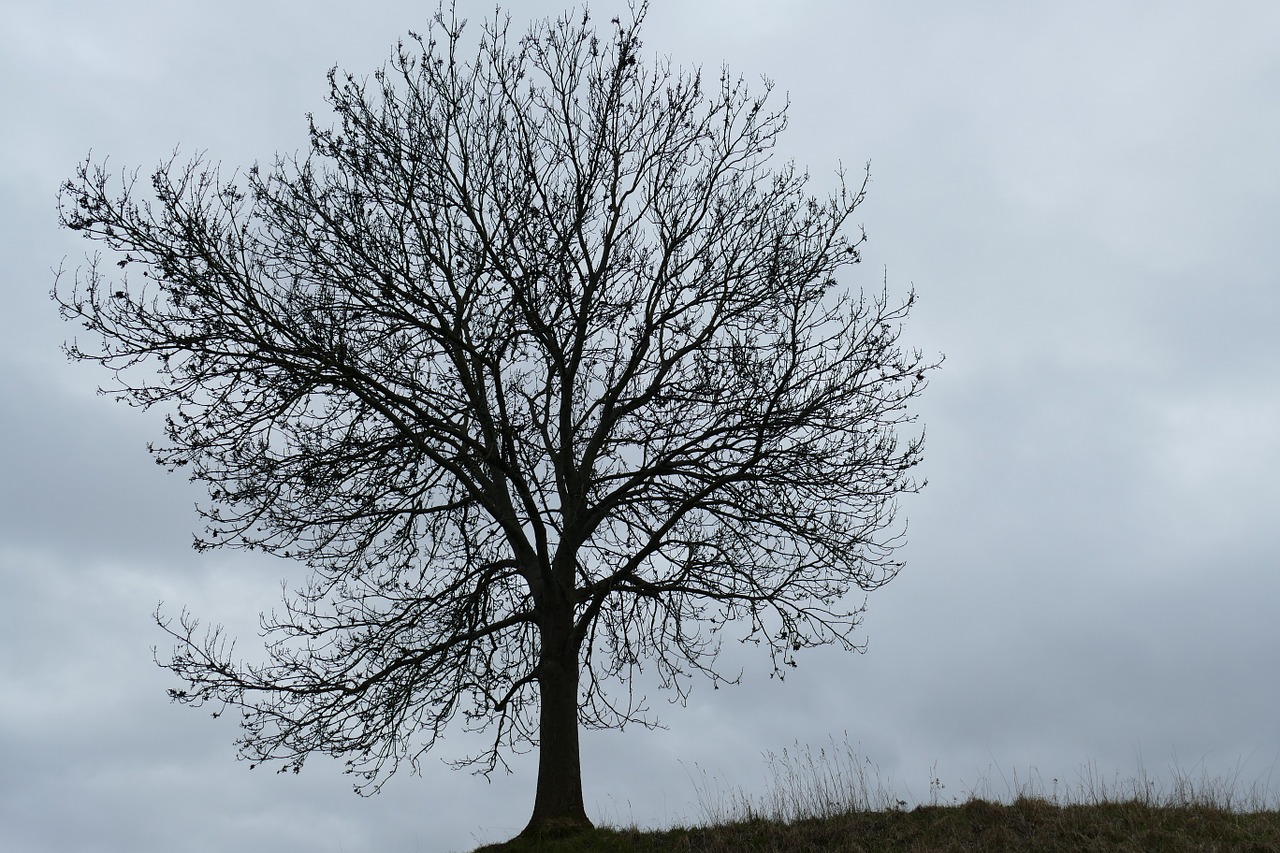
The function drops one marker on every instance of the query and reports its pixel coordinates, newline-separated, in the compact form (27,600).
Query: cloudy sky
(1086,197)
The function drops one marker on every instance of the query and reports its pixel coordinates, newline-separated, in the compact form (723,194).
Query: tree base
(548,829)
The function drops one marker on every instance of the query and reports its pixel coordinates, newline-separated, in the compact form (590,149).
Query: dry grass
(832,800)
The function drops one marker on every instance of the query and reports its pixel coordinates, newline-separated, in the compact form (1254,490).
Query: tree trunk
(557,806)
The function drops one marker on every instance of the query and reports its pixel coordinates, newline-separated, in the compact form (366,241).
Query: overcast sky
(1086,197)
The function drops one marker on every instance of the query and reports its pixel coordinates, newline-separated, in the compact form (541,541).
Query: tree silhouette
(540,364)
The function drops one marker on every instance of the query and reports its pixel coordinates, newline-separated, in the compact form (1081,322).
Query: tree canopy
(541,363)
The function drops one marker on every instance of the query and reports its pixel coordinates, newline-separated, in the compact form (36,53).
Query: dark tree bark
(540,365)
(558,802)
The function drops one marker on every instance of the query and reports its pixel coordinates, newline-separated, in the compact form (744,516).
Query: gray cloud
(1085,198)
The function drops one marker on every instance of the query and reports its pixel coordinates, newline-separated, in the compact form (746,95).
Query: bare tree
(540,364)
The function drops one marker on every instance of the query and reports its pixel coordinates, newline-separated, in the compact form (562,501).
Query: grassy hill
(973,827)
(830,800)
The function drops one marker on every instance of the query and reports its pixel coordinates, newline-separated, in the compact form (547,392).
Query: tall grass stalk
(804,783)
